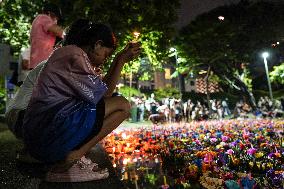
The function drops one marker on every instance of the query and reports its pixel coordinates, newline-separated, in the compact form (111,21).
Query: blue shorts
(64,134)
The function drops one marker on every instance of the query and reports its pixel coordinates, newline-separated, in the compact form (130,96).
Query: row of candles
(133,166)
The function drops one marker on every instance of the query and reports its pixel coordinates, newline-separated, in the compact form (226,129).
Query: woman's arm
(56,30)
(130,52)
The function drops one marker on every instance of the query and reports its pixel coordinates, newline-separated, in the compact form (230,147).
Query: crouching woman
(71,108)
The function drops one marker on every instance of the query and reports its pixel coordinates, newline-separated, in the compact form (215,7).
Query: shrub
(129,91)
(166,92)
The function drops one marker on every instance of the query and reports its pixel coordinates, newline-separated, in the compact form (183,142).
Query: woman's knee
(124,104)
(116,103)
(126,114)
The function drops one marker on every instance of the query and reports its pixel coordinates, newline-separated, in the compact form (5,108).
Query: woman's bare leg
(116,111)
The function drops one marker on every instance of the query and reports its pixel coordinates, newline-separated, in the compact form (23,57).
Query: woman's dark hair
(83,32)
(50,7)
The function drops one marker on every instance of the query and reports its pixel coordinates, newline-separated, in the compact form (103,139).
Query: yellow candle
(136,184)
(113,150)
(165,180)
(125,176)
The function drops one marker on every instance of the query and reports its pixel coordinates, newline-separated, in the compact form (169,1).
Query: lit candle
(136,35)
(128,145)
(124,161)
(123,135)
(113,150)
(156,160)
(125,176)
(165,181)
(136,184)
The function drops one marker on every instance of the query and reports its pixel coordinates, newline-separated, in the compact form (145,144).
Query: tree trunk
(124,80)
(181,84)
(241,86)
(207,90)
(236,83)
(130,79)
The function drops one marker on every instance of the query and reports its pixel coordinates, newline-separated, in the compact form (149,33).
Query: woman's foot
(88,162)
(82,171)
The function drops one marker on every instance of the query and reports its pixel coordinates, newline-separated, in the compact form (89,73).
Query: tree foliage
(152,18)
(277,75)
(16,16)
(129,91)
(166,92)
(235,40)
(225,45)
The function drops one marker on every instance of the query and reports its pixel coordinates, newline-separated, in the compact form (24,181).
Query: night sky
(192,8)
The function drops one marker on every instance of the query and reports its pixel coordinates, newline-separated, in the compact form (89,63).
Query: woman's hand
(99,72)
(131,51)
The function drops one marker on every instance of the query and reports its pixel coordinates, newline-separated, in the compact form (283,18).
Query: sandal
(82,171)
(84,162)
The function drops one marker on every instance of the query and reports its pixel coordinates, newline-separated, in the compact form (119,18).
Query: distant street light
(265,55)
(222,18)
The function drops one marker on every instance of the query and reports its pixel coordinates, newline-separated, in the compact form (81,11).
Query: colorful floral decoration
(228,154)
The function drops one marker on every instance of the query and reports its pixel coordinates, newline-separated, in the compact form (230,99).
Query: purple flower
(198,142)
(213,140)
(230,152)
(271,155)
(233,144)
(225,138)
(251,151)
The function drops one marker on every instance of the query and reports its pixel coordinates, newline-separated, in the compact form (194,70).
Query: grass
(9,145)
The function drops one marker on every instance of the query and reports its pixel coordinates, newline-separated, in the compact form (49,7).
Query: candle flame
(123,135)
(136,34)
(124,161)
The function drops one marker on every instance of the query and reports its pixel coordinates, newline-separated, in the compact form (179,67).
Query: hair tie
(90,25)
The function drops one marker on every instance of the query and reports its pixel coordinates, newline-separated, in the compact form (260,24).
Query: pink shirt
(42,41)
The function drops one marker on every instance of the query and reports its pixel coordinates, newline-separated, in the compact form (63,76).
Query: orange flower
(263,144)
(277,154)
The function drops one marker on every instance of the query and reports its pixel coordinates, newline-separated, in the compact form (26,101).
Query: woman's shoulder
(67,51)
(42,18)
(69,56)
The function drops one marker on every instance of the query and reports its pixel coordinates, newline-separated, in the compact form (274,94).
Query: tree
(16,16)
(225,45)
(277,75)
(154,19)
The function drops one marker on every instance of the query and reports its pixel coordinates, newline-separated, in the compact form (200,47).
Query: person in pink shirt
(43,34)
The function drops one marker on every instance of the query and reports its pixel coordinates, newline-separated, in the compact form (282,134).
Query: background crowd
(171,109)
